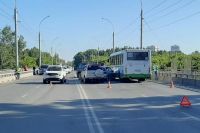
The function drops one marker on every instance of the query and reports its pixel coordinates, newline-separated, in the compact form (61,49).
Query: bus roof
(129,50)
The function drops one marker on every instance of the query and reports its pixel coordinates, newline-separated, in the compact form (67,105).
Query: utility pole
(113,41)
(40,57)
(98,56)
(52,55)
(56,57)
(113,34)
(16,40)
(141,30)
(1,60)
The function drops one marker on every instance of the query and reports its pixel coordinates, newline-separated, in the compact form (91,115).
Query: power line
(8,7)
(25,25)
(134,21)
(166,8)
(183,6)
(6,13)
(155,7)
(172,11)
(5,16)
(129,25)
(178,20)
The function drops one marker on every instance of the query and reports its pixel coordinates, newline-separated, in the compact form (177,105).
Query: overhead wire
(5,5)
(25,24)
(155,7)
(166,8)
(183,6)
(6,13)
(129,25)
(174,10)
(5,16)
(180,19)
(134,21)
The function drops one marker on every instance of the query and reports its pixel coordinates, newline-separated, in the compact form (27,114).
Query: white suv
(54,73)
(93,72)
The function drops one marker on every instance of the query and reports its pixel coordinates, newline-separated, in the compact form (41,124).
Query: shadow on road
(117,115)
(29,83)
(76,80)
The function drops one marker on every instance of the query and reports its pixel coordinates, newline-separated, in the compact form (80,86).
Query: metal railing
(181,78)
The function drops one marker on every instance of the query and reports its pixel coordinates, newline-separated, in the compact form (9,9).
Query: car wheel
(85,80)
(140,80)
(44,81)
(62,80)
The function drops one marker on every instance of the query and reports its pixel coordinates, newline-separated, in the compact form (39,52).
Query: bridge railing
(190,79)
(10,76)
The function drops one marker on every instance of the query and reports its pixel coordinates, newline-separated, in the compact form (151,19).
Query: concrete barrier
(180,79)
(9,77)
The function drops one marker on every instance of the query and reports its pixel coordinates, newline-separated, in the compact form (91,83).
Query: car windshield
(54,68)
(44,66)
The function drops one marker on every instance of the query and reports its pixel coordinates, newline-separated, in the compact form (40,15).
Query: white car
(93,73)
(54,73)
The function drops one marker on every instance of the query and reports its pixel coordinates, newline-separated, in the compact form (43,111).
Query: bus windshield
(137,56)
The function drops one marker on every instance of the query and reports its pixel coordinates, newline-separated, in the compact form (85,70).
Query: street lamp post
(52,58)
(40,57)
(113,34)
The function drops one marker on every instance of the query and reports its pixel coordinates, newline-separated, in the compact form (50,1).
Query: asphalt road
(28,106)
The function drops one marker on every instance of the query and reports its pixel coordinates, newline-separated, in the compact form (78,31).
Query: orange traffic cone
(185,102)
(171,84)
(109,85)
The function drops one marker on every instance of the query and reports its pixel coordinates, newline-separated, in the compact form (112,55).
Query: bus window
(137,56)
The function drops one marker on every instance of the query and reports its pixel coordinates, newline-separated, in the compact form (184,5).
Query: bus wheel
(140,80)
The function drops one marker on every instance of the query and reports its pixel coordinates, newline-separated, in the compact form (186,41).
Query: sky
(77,25)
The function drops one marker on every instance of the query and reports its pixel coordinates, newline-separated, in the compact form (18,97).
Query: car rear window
(54,68)
(44,66)
(93,67)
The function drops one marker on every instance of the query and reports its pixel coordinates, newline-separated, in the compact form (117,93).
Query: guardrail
(179,78)
(6,71)
(8,77)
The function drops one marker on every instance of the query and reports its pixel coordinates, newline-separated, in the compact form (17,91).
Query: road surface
(28,106)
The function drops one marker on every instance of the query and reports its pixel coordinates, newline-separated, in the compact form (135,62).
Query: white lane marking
(91,128)
(38,86)
(25,95)
(143,95)
(191,116)
(99,127)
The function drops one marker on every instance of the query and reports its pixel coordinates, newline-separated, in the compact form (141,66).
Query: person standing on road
(34,72)
(155,69)
(17,73)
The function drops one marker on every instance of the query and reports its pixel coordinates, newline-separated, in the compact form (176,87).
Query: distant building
(152,48)
(175,48)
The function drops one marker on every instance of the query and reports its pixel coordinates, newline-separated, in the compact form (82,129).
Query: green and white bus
(131,64)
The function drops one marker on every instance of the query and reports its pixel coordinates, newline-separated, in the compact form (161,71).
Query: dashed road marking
(191,116)
(25,95)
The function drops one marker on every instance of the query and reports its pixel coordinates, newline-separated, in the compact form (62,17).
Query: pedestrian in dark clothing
(34,73)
